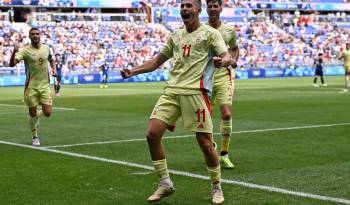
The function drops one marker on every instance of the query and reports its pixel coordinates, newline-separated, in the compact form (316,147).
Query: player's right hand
(15,48)
(217,61)
(126,73)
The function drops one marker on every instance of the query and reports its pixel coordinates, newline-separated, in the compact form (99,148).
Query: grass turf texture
(315,160)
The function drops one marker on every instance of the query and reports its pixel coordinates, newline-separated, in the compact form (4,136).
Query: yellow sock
(214,174)
(226,130)
(32,123)
(161,169)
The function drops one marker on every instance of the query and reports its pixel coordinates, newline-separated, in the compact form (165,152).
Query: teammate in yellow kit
(224,79)
(37,91)
(186,94)
(346,56)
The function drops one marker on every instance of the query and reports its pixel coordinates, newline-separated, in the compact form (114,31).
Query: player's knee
(226,116)
(32,114)
(47,113)
(207,148)
(152,136)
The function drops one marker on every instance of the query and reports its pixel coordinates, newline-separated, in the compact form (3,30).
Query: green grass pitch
(288,137)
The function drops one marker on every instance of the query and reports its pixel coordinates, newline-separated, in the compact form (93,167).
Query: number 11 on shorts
(200,113)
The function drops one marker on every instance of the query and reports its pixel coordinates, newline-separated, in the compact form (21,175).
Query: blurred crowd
(176,3)
(86,45)
(282,40)
(238,3)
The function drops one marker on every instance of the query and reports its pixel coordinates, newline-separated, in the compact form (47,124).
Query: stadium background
(290,142)
(276,38)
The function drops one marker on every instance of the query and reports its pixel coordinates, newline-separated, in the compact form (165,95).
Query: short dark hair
(33,29)
(219,1)
(199,3)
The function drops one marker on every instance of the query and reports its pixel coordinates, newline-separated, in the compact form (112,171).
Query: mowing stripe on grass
(185,136)
(186,174)
(10,113)
(55,108)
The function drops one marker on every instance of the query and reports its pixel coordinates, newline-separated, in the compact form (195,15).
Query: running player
(346,56)
(224,79)
(186,94)
(36,57)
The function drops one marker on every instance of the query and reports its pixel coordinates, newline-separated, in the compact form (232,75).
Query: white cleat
(35,141)
(218,196)
(324,85)
(161,192)
(315,85)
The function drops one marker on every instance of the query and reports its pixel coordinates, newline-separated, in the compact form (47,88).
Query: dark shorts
(59,78)
(319,72)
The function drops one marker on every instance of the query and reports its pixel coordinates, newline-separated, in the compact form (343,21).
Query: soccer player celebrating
(346,56)
(186,94)
(318,63)
(223,84)
(37,87)
(59,64)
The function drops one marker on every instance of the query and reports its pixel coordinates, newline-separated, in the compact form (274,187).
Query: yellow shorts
(347,69)
(194,109)
(223,92)
(33,97)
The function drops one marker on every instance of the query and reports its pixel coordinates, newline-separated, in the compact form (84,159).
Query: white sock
(216,186)
(166,182)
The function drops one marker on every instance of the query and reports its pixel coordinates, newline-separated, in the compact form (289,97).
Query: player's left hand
(126,73)
(217,61)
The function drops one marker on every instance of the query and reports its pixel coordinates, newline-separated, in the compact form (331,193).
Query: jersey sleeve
(233,41)
(168,48)
(218,43)
(20,55)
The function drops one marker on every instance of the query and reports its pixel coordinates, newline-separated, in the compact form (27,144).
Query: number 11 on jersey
(186,50)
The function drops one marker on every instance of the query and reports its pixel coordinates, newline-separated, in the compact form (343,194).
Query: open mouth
(185,16)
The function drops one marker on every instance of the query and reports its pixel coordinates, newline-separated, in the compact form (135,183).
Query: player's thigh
(318,72)
(167,109)
(223,93)
(58,78)
(347,69)
(31,97)
(195,110)
(45,96)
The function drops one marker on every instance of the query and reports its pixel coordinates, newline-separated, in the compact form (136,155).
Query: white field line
(187,174)
(343,91)
(55,108)
(185,136)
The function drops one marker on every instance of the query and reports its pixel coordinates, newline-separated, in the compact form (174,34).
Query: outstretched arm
(147,67)
(13,60)
(340,56)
